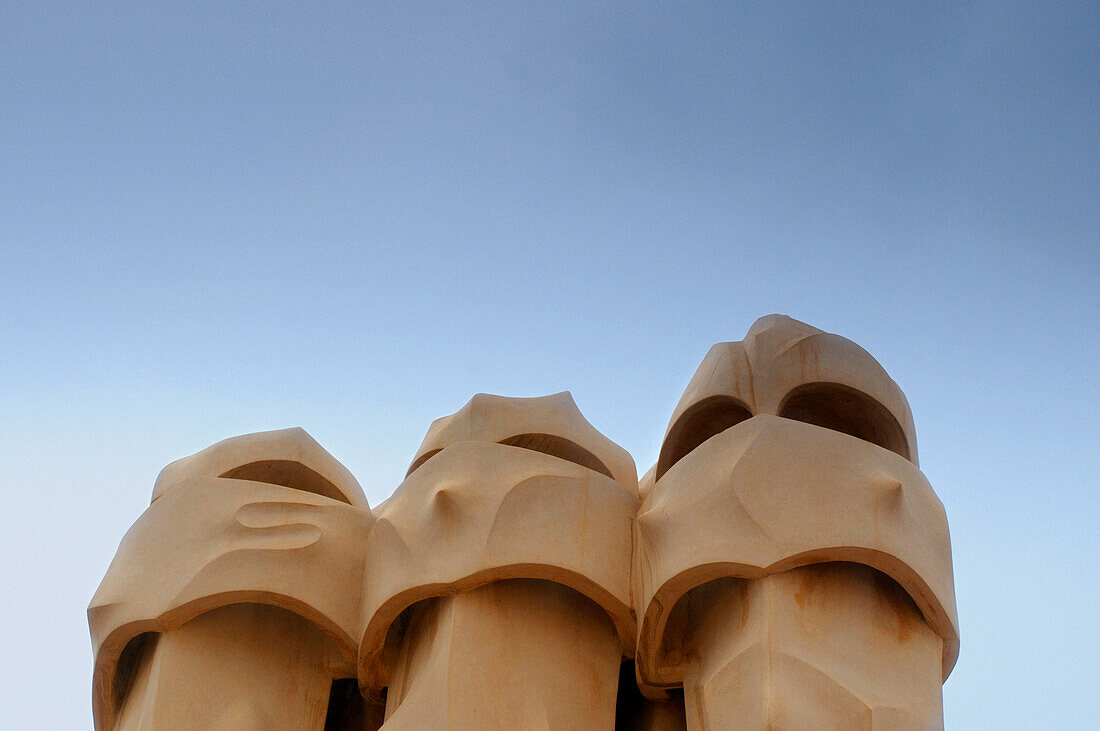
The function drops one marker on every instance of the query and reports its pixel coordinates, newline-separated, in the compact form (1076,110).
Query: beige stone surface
(550,424)
(834,645)
(209,541)
(242,666)
(518,654)
(792,565)
(288,457)
(784,564)
(773,494)
(543,505)
(478,513)
(763,373)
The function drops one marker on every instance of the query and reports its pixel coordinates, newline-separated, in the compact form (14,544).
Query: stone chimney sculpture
(792,565)
(785,564)
(503,586)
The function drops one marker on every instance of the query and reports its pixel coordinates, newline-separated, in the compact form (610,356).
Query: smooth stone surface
(516,654)
(785,564)
(826,646)
(245,666)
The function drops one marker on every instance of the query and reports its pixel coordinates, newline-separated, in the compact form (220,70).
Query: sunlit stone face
(785,564)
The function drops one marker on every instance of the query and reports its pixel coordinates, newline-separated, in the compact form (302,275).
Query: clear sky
(218,218)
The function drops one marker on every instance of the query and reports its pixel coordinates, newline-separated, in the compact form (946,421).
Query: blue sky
(219,218)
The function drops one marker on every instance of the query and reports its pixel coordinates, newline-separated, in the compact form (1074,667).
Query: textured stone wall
(785,564)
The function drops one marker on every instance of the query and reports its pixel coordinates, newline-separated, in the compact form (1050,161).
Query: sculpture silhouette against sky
(784,564)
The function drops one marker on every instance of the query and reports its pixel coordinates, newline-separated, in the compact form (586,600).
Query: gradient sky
(218,218)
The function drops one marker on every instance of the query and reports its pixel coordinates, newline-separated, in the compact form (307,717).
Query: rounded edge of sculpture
(697,423)
(288,462)
(778,356)
(655,679)
(323,474)
(373,673)
(493,418)
(106,660)
(718,464)
(463,493)
(500,475)
(468,473)
(848,410)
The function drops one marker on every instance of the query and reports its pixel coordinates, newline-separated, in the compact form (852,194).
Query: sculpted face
(787,368)
(507,549)
(789,471)
(269,521)
(783,564)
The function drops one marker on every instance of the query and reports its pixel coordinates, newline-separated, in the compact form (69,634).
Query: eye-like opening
(699,423)
(421,460)
(286,473)
(554,446)
(845,409)
(559,447)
